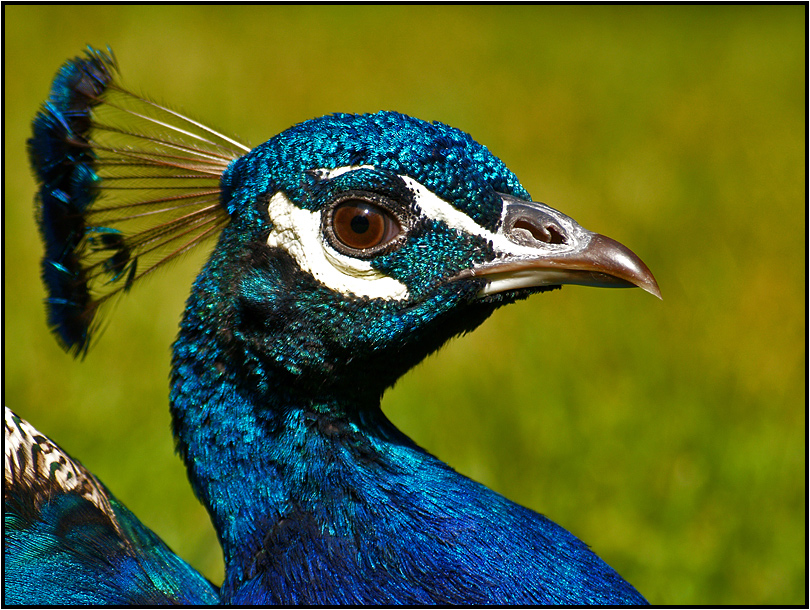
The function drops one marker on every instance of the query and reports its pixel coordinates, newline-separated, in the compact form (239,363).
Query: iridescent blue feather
(68,541)
(125,185)
(63,162)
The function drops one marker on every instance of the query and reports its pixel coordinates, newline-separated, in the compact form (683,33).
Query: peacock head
(358,244)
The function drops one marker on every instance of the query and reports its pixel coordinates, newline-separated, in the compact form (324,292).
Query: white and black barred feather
(37,468)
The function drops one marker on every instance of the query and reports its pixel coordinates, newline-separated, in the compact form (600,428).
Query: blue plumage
(103,206)
(63,163)
(67,539)
(351,246)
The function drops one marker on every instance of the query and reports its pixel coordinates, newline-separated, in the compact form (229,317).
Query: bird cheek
(432,257)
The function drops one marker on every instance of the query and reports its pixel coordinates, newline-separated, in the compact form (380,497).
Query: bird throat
(275,468)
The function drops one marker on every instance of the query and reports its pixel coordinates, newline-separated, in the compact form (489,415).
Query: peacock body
(349,248)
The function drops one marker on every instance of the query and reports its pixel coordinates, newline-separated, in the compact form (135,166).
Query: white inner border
(298,232)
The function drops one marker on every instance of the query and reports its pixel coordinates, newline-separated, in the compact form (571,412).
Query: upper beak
(544,247)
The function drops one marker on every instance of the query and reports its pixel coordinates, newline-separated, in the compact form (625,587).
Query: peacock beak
(544,247)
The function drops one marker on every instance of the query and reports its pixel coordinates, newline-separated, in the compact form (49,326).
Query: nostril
(557,236)
(547,233)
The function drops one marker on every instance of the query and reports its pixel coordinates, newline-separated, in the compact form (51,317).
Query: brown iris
(361,225)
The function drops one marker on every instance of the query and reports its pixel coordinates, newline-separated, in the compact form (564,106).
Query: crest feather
(125,185)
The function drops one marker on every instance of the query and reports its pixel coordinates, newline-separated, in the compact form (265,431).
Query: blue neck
(257,462)
(315,496)
(264,451)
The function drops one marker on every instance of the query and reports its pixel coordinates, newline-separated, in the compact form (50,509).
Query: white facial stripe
(436,208)
(328,174)
(298,232)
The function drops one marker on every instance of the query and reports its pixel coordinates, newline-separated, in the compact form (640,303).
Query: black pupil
(359,224)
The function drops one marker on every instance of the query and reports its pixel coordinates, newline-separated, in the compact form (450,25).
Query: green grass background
(668,435)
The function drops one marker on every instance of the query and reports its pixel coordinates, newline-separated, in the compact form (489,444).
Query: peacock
(347,249)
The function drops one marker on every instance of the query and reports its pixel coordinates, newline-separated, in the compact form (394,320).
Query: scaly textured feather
(67,540)
(126,185)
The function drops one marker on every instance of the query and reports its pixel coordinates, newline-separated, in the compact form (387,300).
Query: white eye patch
(298,232)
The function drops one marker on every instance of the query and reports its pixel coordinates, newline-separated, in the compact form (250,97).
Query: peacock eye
(361,225)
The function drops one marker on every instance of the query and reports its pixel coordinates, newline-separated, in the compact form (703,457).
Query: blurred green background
(668,435)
